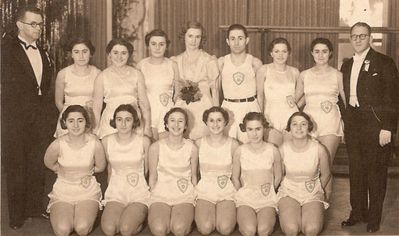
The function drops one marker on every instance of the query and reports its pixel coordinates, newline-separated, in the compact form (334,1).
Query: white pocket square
(375,74)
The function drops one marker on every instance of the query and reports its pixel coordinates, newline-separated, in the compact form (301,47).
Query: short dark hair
(156,32)
(253,116)
(173,110)
(193,25)
(304,115)
(119,41)
(361,24)
(81,40)
(237,27)
(224,113)
(129,108)
(74,108)
(28,8)
(324,41)
(279,41)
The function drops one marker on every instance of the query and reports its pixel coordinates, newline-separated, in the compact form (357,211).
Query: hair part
(119,41)
(302,114)
(74,108)
(224,113)
(237,27)
(155,33)
(193,25)
(171,111)
(128,108)
(28,8)
(250,116)
(81,40)
(279,41)
(361,24)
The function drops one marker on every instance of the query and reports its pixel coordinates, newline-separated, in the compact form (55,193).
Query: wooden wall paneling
(172,14)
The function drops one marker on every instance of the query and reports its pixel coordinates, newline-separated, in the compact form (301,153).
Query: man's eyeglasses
(361,36)
(33,24)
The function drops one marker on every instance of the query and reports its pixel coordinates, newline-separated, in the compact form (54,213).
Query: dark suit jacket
(19,88)
(377,88)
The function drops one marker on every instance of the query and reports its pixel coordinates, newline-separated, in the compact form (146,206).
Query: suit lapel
(367,60)
(347,78)
(23,59)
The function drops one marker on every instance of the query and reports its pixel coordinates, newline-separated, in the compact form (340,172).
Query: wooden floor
(338,211)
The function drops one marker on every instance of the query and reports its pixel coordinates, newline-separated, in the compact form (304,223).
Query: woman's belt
(250,99)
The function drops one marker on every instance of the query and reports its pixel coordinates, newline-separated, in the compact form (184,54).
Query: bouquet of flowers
(189,91)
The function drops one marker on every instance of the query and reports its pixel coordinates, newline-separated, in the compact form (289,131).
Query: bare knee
(108,228)
(205,228)
(159,229)
(290,229)
(247,230)
(83,228)
(225,228)
(126,229)
(312,229)
(265,229)
(62,229)
(180,229)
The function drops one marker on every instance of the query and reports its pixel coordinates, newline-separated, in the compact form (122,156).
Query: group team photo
(151,138)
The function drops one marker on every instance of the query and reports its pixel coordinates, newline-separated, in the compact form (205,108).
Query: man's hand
(385,137)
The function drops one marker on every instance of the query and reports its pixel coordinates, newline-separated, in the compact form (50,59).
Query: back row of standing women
(196,81)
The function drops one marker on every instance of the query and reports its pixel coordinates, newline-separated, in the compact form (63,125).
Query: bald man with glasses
(371,83)
(28,117)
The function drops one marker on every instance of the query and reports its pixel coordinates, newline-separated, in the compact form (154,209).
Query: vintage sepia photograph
(199,117)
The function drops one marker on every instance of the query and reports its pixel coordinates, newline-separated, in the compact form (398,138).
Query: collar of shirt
(26,43)
(360,57)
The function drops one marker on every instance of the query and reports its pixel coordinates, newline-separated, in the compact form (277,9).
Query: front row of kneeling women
(248,184)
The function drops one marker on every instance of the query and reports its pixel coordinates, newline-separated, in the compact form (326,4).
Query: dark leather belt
(250,99)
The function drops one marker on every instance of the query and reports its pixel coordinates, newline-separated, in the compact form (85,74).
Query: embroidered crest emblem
(265,189)
(164,99)
(222,181)
(85,181)
(290,101)
(182,184)
(238,78)
(309,185)
(326,106)
(132,179)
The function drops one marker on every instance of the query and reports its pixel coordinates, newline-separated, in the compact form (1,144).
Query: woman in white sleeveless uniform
(321,86)
(119,84)
(160,76)
(75,157)
(306,172)
(173,163)
(74,84)
(197,66)
(215,207)
(256,172)
(276,90)
(238,82)
(127,195)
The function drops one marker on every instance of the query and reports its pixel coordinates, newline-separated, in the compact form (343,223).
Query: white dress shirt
(35,60)
(357,65)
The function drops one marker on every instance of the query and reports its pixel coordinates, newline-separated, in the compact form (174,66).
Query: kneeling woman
(215,206)
(74,157)
(173,163)
(127,194)
(256,172)
(306,173)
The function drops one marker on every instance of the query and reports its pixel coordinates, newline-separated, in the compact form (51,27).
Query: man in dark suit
(28,117)
(371,83)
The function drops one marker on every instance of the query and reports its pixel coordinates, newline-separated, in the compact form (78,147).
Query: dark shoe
(16,225)
(349,222)
(372,228)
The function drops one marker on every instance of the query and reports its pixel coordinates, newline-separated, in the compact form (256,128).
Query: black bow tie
(26,46)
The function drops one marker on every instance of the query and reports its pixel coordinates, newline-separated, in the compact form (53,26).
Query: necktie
(26,46)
